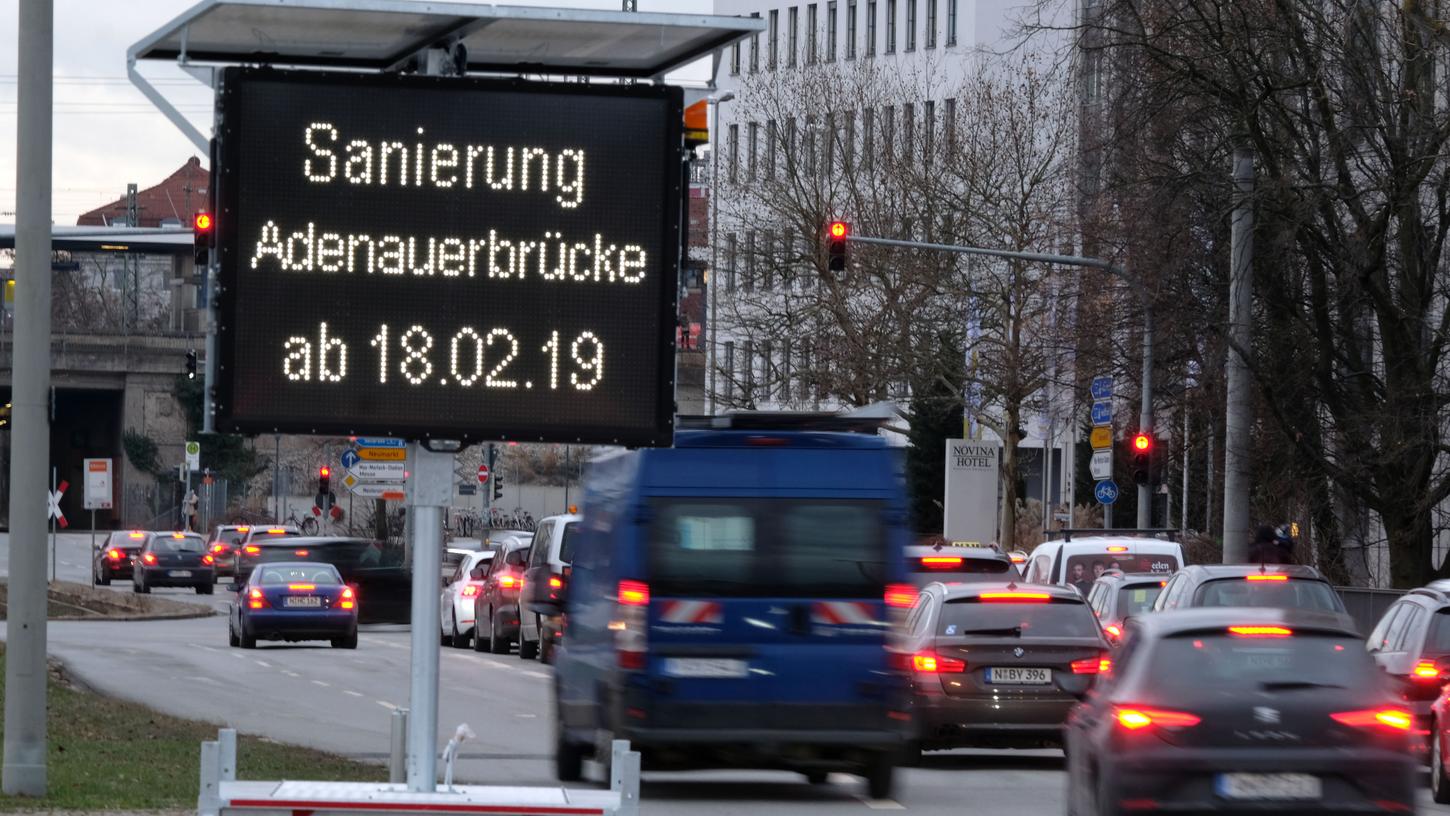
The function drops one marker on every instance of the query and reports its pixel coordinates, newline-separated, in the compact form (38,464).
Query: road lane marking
(523,716)
(385,704)
(264,664)
(239,655)
(540,675)
(881,804)
(320,683)
(353,693)
(291,673)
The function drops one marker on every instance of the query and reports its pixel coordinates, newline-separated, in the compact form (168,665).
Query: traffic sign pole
(430,491)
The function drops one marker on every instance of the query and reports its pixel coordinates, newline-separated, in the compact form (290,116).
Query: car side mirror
(515,558)
(475,574)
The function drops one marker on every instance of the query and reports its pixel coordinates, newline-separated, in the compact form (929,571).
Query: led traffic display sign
(447,258)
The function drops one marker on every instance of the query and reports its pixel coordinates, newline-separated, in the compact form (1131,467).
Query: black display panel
(447,258)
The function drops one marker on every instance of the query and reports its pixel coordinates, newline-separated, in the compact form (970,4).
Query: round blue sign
(1105,492)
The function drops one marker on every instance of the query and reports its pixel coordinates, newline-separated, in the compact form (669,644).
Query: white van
(1081,556)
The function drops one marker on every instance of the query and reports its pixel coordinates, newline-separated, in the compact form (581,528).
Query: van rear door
(769,600)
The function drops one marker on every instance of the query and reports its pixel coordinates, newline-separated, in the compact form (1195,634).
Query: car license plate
(1018,676)
(1269,786)
(705,667)
(306,601)
(181,573)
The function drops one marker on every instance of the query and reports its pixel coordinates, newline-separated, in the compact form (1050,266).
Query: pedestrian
(188,510)
(1267,549)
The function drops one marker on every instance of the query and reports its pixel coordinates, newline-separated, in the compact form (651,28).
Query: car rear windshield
(185,544)
(1223,662)
(816,548)
(319,575)
(566,544)
(1439,638)
(1137,599)
(1026,620)
(230,536)
(1081,570)
(1290,594)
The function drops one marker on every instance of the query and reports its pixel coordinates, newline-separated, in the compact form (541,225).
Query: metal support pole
(1183,513)
(1238,414)
(24,770)
(1145,416)
(398,747)
(52,527)
(430,490)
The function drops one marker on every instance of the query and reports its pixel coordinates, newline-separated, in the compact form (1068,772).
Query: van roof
(776,439)
(1094,542)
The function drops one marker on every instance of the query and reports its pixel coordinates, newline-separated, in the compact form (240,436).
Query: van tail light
(631,617)
(1092,665)
(256,600)
(470,591)
(900,596)
(252,549)
(1425,672)
(931,663)
(208,560)
(348,599)
(555,582)
(149,558)
(1136,719)
(1393,719)
(114,555)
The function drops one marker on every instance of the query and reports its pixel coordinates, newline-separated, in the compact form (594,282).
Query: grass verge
(109,755)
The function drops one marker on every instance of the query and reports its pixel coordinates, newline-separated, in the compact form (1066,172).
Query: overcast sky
(106,133)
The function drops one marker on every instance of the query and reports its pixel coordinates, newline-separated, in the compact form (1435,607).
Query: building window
(772,136)
(805,372)
(748,387)
(870,28)
(910,25)
(750,150)
(755,47)
(790,147)
(830,135)
(735,59)
(785,372)
(931,23)
(774,34)
(890,26)
(928,128)
(848,142)
(732,148)
(767,252)
(811,34)
(951,23)
(831,31)
(949,122)
(888,130)
(850,29)
(749,261)
(868,138)
(908,128)
(794,17)
(811,138)
(729,370)
(767,382)
(731,257)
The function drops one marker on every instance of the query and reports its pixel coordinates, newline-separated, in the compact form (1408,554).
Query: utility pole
(24,769)
(1237,415)
(1145,418)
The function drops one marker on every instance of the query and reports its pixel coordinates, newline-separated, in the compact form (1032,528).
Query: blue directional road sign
(1103,413)
(385,442)
(349,458)
(1105,492)
(1102,388)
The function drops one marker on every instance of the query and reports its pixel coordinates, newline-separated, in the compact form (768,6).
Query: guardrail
(222,795)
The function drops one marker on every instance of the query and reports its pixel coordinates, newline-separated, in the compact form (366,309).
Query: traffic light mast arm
(1145,417)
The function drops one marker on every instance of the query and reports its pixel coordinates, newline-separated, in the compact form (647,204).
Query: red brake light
(302,587)
(178,535)
(244,529)
(218,548)
(1114,631)
(1135,719)
(555,582)
(276,531)
(149,558)
(1426,670)
(929,663)
(349,598)
(470,591)
(252,549)
(208,560)
(1092,665)
(255,599)
(1017,559)
(1262,577)
(114,555)
(1015,597)
(1391,718)
(634,593)
(300,553)
(941,562)
(508,581)
(900,596)
(1260,631)
(1117,548)
(136,535)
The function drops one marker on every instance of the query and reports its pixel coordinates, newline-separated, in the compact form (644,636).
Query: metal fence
(1367,605)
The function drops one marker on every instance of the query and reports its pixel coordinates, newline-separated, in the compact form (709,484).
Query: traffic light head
(497,486)
(1142,455)
(201,238)
(324,479)
(836,234)
(191,364)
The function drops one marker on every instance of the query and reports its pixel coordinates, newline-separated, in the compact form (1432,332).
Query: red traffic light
(324,471)
(202,222)
(838,229)
(1142,442)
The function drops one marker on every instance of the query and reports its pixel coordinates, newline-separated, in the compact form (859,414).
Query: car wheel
(205,589)
(232,639)
(880,775)
(911,754)
(568,757)
(528,649)
(459,641)
(817,777)
(1439,786)
(345,642)
(496,643)
(103,578)
(480,643)
(248,640)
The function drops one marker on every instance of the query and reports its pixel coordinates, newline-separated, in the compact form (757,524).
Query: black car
(174,560)
(1240,710)
(112,560)
(1116,596)
(998,664)
(250,547)
(496,610)
(1411,644)
(1250,585)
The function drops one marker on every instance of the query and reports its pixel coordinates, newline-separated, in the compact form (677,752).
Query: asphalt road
(342,701)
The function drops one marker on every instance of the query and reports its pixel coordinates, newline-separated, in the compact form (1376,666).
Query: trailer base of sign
(222,795)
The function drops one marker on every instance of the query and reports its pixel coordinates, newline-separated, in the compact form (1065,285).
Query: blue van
(729,604)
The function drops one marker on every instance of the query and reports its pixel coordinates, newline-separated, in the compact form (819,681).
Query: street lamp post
(714,105)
